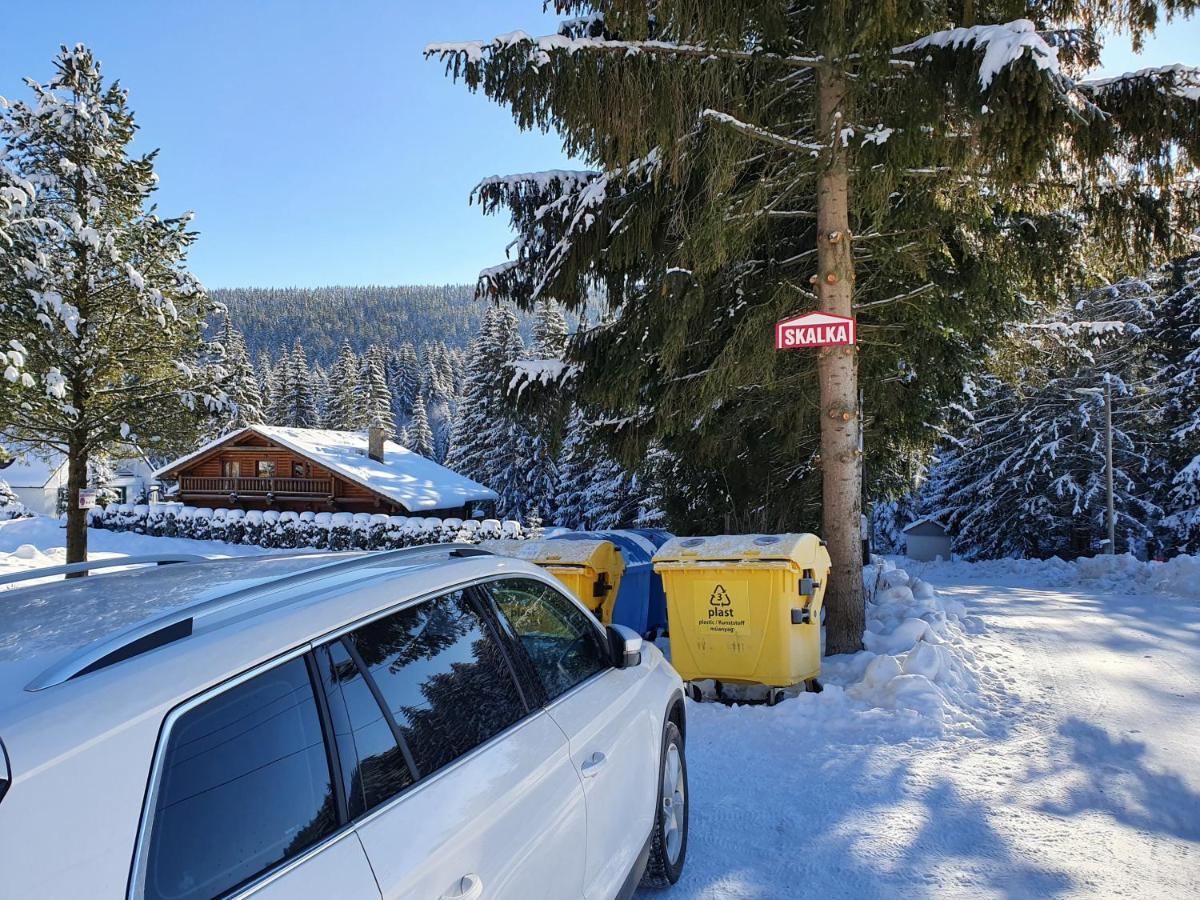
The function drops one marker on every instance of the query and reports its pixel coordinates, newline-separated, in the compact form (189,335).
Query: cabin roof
(407,478)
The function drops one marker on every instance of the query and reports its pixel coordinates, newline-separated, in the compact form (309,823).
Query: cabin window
(266,468)
(232,468)
(301,470)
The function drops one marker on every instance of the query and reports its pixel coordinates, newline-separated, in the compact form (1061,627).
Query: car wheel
(668,847)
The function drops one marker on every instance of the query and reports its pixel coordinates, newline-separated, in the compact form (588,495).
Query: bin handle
(803,616)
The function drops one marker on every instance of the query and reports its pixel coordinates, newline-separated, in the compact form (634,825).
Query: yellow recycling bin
(745,608)
(591,570)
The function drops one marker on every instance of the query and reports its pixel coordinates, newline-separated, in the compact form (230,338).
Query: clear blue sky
(313,141)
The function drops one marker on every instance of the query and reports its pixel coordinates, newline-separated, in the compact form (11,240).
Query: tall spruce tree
(420,435)
(346,410)
(1177,345)
(486,443)
(376,394)
(405,380)
(299,398)
(109,320)
(756,159)
(268,387)
(242,385)
(278,412)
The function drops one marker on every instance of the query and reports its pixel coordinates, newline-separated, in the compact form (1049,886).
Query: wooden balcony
(257,487)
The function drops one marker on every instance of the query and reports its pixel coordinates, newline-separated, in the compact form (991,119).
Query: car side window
(374,766)
(561,639)
(443,677)
(244,785)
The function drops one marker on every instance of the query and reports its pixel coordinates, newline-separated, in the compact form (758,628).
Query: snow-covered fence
(285,530)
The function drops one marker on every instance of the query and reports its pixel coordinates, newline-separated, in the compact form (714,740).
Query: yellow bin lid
(805,551)
(599,555)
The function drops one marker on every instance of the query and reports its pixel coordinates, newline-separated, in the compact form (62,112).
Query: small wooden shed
(926,540)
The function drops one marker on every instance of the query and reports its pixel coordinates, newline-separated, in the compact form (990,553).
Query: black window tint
(443,676)
(560,638)
(373,764)
(245,784)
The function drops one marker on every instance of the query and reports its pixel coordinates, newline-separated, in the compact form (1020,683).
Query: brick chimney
(375,439)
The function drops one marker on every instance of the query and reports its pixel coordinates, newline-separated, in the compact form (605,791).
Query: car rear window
(244,785)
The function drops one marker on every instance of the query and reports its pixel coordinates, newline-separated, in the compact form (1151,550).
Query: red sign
(815,329)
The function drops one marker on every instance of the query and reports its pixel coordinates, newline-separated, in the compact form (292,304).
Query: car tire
(668,843)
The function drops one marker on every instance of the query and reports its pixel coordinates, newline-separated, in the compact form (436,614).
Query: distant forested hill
(272,318)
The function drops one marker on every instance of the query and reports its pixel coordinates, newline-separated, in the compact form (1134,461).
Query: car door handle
(469,887)
(594,764)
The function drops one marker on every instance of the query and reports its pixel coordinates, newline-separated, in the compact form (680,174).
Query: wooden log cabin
(299,469)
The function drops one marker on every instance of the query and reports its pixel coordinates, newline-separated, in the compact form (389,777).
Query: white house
(36,481)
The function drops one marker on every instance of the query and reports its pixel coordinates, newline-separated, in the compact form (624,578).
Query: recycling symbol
(720,597)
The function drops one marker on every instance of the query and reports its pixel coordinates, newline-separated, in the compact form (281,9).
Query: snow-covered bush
(287,530)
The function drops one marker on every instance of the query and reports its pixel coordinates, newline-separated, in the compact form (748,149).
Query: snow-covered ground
(1015,729)
(40,541)
(1064,761)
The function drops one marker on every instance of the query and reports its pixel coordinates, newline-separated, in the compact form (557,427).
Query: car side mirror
(626,646)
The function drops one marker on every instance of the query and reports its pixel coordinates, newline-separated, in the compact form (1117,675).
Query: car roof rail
(177,624)
(158,559)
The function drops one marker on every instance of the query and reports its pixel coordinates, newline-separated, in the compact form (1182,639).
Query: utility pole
(1108,467)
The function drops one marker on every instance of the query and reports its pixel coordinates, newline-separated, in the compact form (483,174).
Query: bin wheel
(668,847)
(693,691)
(813,686)
(775,695)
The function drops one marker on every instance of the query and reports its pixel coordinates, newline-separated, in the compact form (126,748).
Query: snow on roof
(30,471)
(411,480)
(926,520)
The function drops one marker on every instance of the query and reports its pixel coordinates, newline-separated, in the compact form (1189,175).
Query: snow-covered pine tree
(242,383)
(111,320)
(420,435)
(437,389)
(1028,478)
(376,394)
(268,386)
(345,410)
(486,444)
(1177,350)
(405,380)
(544,414)
(300,403)
(320,388)
(762,152)
(282,378)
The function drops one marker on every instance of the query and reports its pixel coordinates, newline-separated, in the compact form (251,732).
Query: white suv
(434,722)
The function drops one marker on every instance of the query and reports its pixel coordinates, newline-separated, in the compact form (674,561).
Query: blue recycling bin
(641,602)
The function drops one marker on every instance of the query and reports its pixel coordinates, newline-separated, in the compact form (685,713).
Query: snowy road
(1084,783)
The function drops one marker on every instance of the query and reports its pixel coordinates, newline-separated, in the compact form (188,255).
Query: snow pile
(1122,573)
(917,665)
(918,678)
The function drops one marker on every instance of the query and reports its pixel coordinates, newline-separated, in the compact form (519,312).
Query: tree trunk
(77,465)
(837,372)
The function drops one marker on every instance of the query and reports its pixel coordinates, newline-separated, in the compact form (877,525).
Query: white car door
(610,725)
(460,788)
(244,799)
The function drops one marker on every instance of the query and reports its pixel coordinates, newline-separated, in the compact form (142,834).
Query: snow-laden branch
(540,48)
(1002,45)
(1175,80)
(761,134)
